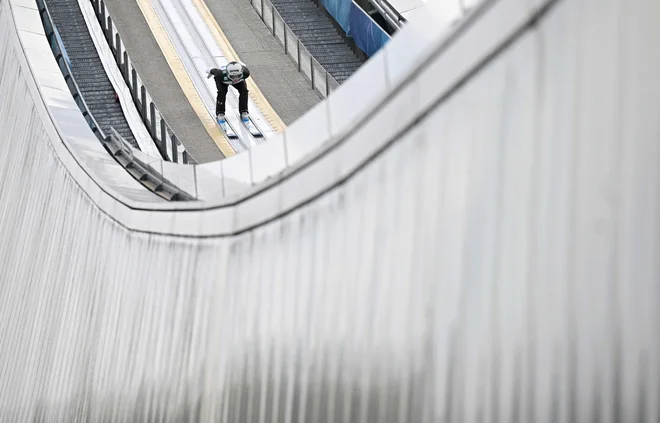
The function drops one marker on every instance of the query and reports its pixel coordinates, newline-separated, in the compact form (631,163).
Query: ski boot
(245,117)
(221,119)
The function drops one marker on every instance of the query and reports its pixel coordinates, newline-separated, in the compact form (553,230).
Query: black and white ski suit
(223,82)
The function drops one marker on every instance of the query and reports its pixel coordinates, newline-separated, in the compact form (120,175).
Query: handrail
(153,119)
(391,15)
(144,173)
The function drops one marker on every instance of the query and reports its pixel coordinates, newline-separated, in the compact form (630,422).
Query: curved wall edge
(498,259)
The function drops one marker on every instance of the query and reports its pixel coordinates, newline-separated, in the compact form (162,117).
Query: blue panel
(368,35)
(341,11)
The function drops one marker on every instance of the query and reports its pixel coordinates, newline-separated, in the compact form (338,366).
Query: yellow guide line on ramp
(255,93)
(183,78)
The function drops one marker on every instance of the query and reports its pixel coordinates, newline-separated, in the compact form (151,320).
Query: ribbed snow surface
(499,262)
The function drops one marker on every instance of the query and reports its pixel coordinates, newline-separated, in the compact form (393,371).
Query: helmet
(234,71)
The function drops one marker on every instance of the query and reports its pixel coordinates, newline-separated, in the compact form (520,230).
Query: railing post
(286,43)
(194,178)
(134,84)
(109,33)
(103,21)
(262,11)
(118,44)
(311,68)
(163,139)
(298,40)
(152,113)
(143,96)
(184,157)
(125,68)
(175,153)
(327,85)
(272,13)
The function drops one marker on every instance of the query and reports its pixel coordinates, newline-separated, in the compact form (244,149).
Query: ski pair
(249,125)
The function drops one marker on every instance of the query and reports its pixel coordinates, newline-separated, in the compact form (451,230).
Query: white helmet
(234,71)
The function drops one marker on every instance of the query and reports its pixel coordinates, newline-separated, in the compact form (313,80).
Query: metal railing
(166,140)
(145,170)
(320,79)
(387,11)
(136,163)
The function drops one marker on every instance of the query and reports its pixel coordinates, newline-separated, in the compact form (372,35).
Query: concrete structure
(477,244)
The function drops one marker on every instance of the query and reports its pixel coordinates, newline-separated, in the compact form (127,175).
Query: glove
(208,73)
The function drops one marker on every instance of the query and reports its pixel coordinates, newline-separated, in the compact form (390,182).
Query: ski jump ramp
(466,231)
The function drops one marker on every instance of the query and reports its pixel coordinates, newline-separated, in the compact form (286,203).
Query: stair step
(330,63)
(60,10)
(322,41)
(80,50)
(302,28)
(317,24)
(85,70)
(299,18)
(89,95)
(339,57)
(333,49)
(319,33)
(339,70)
(296,5)
(72,45)
(319,41)
(93,84)
(303,10)
(85,62)
(111,112)
(338,74)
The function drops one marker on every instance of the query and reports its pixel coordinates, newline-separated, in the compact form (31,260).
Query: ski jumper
(222,82)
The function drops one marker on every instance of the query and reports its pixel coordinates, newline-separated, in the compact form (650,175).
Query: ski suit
(223,82)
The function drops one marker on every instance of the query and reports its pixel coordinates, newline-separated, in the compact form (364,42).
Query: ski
(227,129)
(254,131)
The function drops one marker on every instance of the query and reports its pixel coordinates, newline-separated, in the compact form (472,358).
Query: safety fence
(169,145)
(320,79)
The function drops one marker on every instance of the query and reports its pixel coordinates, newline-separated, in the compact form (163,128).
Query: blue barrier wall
(341,11)
(368,35)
